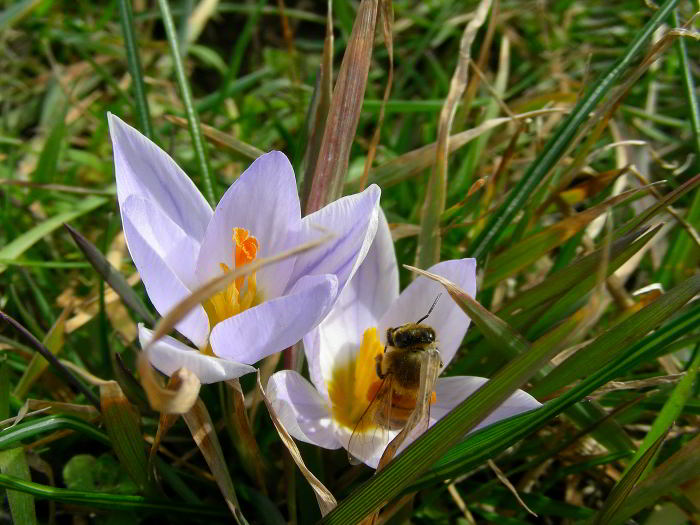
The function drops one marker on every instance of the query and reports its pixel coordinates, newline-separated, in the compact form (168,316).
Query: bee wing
(420,418)
(367,436)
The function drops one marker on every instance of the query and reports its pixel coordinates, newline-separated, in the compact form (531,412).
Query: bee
(406,374)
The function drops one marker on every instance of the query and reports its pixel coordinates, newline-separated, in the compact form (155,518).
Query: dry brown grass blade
(318,110)
(345,107)
(180,310)
(165,422)
(326,500)
(503,479)
(243,438)
(200,424)
(614,386)
(177,397)
(386,11)
(429,239)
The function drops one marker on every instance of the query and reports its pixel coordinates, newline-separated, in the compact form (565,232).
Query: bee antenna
(432,306)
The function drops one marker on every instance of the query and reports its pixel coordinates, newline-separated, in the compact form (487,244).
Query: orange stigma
(235,299)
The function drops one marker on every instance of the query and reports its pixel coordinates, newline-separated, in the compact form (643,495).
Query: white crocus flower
(341,354)
(178,243)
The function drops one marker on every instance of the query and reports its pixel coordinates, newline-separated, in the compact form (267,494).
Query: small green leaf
(13,462)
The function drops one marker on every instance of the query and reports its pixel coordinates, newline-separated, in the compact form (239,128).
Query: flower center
(239,295)
(354,385)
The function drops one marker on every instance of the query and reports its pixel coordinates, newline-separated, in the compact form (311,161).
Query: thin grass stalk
(561,138)
(429,237)
(126,17)
(192,116)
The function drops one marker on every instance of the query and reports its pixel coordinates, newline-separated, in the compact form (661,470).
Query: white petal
(353,220)
(276,324)
(301,410)
(177,249)
(368,295)
(168,355)
(265,202)
(448,319)
(164,288)
(370,448)
(143,169)
(451,391)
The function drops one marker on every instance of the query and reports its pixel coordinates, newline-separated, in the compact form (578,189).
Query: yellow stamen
(351,381)
(234,299)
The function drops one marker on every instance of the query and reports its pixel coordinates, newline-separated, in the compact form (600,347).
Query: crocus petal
(143,169)
(448,319)
(168,355)
(370,447)
(451,391)
(265,202)
(275,324)
(164,288)
(177,249)
(373,288)
(353,220)
(301,410)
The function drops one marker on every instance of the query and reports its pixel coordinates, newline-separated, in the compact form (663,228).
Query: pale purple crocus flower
(341,351)
(178,244)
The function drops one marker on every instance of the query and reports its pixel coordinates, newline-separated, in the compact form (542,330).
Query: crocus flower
(178,244)
(341,354)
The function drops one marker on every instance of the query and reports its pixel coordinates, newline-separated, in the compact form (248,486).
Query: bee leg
(378,364)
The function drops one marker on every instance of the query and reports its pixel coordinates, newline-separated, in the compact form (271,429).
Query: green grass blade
(660,205)
(108,501)
(580,274)
(54,342)
(671,410)
(192,116)
(528,250)
(15,12)
(487,442)
(111,276)
(600,351)
(561,138)
(683,255)
(48,160)
(13,436)
(25,241)
(623,487)
(123,426)
(126,18)
(13,462)
(680,468)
